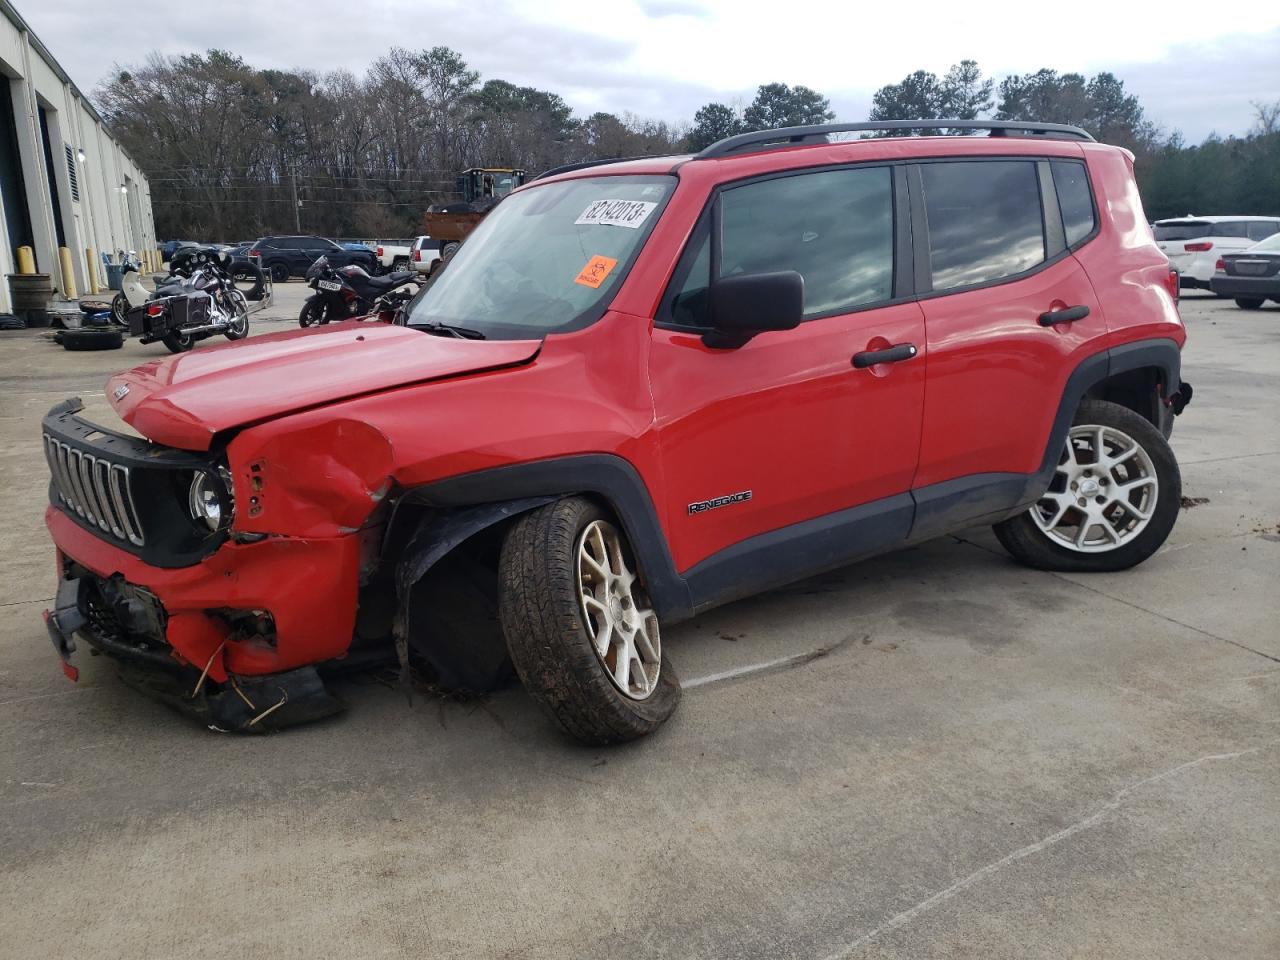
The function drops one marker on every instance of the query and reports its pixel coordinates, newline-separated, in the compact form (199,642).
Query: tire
(178,342)
(312,311)
(279,272)
(85,340)
(120,311)
(1249,303)
(549,635)
(251,274)
(1156,485)
(449,249)
(240,329)
(399,263)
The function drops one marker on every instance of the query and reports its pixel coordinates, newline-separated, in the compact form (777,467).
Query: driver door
(785,430)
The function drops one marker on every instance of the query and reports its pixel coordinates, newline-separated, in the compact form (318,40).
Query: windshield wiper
(449,330)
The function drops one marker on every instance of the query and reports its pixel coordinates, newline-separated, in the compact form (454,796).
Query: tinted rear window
(1071,182)
(985,222)
(1182,230)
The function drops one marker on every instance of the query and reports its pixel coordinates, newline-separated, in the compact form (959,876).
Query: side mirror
(742,306)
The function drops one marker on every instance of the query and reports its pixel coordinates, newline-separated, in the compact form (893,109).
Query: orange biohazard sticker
(594,273)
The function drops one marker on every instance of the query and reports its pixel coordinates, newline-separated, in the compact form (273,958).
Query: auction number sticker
(594,273)
(617,213)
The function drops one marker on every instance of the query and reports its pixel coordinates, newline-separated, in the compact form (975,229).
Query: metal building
(65,182)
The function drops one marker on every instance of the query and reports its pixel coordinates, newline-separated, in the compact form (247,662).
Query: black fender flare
(1161,353)
(480,499)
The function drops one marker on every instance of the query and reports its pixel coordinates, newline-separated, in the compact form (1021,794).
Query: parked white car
(393,254)
(1194,244)
(424,253)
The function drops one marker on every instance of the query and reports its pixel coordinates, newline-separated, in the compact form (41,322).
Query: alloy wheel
(1103,493)
(620,621)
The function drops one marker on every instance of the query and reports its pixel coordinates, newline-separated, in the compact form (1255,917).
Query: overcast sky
(1195,66)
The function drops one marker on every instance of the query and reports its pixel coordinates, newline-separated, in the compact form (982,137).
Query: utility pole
(297,206)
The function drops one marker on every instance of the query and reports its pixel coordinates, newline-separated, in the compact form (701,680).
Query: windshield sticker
(617,213)
(594,273)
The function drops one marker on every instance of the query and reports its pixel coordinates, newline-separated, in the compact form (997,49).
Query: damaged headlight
(209,499)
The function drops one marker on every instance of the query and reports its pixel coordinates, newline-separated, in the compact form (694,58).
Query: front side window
(834,228)
(1071,181)
(547,258)
(985,220)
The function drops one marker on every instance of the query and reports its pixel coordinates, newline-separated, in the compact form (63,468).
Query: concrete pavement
(989,762)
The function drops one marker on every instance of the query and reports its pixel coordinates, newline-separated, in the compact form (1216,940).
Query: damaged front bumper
(186,635)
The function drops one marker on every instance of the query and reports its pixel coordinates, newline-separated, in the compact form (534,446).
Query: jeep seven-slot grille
(96,489)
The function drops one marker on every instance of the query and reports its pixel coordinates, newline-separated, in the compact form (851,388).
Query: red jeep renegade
(639,390)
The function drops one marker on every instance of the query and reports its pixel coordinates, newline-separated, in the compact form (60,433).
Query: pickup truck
(393,254)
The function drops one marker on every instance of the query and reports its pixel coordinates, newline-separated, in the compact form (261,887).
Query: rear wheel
(279,272)
(178,341)
(580,628)
(449,249)
(1113,500)
(1249,303)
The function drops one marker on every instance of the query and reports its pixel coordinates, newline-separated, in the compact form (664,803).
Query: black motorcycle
(349,291)
(197,302)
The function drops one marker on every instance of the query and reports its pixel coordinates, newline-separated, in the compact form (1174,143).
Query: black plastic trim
(800,550)
(604,475)
(1051,231)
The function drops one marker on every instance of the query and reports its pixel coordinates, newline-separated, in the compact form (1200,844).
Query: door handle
(1063,316)
(894,354)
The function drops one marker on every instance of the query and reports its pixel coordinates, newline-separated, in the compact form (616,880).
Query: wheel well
(1140,390)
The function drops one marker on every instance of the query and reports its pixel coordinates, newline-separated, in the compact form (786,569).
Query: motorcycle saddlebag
(177,313)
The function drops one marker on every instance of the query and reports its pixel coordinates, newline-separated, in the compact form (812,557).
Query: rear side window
(1071,182)
(985,222)
(834,228)
(1231,228)
(1261,229)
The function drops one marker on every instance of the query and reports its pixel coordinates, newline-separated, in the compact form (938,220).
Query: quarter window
(834,228)
(1071,181)
(1261,229)
(985,221)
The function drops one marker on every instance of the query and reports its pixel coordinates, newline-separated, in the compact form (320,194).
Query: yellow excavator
(481,188)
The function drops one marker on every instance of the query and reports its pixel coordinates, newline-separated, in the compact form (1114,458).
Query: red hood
(184,401)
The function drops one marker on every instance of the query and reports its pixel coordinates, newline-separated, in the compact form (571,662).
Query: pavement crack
(910,914)
(772,666)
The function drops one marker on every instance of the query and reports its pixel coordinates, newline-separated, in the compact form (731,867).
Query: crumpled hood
(184,401)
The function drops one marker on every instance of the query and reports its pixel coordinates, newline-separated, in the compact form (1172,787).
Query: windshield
(546,259)
(1182,229)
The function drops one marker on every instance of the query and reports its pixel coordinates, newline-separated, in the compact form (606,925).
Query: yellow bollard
(158,258)
(26,260)
(68,275)
(91,268)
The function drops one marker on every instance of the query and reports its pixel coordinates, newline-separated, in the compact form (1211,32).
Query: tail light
(1220,266)
(1171,282)
(1199,247)
(379,252)
(154,309)
(256,254)
(417,256)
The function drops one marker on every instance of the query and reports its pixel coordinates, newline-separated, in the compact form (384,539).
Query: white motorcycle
(132,292)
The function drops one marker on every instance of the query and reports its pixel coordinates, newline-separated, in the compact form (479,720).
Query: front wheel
(580,628)
(239,327)
(1112,502)
(1249,303)
(120,311)
(313,311)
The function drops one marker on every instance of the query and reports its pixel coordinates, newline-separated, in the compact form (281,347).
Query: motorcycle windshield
(549,258)
(318,268)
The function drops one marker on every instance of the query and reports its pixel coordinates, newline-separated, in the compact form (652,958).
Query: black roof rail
(584,164)
(817,133)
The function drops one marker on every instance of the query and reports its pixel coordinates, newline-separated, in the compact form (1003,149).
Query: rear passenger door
(998,257)
(785,429)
